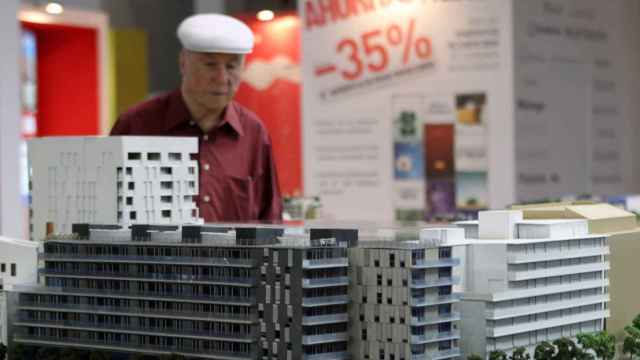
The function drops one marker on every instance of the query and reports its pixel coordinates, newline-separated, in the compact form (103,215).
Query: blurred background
(378,110)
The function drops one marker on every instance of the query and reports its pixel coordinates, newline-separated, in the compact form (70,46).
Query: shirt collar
(178,113)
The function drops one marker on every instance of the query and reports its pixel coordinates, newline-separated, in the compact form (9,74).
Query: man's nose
(220,74)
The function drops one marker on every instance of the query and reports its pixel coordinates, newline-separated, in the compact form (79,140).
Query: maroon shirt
(238,180)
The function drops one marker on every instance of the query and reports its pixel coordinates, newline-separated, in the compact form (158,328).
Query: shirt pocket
(241,195)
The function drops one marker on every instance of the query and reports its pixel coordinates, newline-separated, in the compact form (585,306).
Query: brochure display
(398,104)
(433,110)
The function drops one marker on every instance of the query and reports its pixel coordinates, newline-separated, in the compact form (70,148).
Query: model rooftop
(196,235)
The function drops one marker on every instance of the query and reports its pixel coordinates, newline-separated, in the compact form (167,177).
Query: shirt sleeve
(271,201)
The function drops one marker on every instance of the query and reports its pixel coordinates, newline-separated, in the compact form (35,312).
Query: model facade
(528,281)
(402,305)
(623,233)
(111,180)
(18,266)
(203,292)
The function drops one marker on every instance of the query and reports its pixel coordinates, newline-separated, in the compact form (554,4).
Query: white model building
(111,180)
(529,281)
(18,266)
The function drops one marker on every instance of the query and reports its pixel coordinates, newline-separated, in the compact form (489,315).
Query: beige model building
(624,244)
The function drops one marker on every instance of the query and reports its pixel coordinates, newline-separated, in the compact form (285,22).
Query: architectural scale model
(111,180)
(18,266)
(203,292)
(402,304)
(158,282)
(623,235)
(528,281)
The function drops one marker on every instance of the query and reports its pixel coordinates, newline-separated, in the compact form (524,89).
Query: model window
(166,170)
(154,156)
(134,156)
(175,156)
(3,267)
(13,269)
(445,252)
(166,184)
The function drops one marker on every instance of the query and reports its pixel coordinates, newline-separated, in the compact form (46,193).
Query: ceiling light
(54,8)
(265,15)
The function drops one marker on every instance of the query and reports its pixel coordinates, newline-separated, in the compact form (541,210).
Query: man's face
(211,79)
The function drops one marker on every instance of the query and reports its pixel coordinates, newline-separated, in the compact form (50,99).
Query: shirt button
(206,198)
(206,167)
(205,137)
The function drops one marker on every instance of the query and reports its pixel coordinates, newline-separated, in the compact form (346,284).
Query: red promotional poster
(271,88)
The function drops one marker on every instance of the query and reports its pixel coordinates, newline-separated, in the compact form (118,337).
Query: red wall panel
(68,92)
(272,90)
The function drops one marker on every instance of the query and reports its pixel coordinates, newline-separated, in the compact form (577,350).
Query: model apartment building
(402,304)
(111,180)
(203,292)
(18,265)
(528,281)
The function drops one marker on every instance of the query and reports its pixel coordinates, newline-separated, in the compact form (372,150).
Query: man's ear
(181,60)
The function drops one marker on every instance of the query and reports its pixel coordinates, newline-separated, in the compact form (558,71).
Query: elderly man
(238,180)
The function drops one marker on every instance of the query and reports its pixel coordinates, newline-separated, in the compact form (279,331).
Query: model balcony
(434,337)
(148,295)
(165,277)
(121,310)
(142,330)
(547,324)
(322,282)
(437,355)
(435,263)
(435,319)
(433,282)
(324,338)
(446,354)
(325,263)
(111,345)
(557,271)
(174,260)
(339,355)
(521,258)
(325,300)
(515,311)
(511,294)
(324,319)
(434,300)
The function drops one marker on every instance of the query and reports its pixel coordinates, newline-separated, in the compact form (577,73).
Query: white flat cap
(215,33)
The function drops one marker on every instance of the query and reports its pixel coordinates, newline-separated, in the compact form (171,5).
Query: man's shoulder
(158,103)
(143,117)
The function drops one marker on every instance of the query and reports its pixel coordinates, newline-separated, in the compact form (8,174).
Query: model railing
(128,310)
